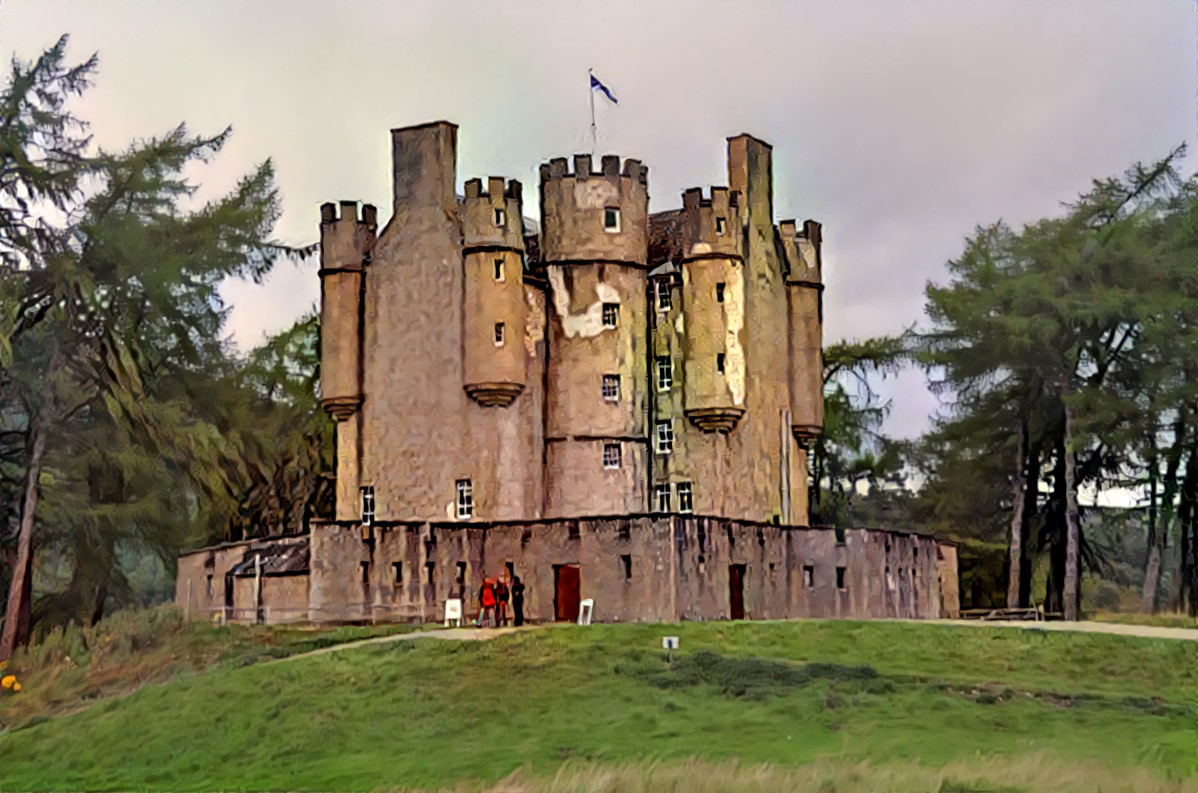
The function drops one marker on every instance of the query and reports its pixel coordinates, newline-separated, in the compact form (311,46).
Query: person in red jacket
(486,600)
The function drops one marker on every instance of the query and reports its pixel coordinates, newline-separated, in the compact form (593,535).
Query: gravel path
(451,634)
(483,634)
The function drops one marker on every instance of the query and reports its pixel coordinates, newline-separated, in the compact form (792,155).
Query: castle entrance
(566,592)
(736,591)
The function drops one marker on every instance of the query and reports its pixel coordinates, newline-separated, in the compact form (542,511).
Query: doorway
(566,595)
(736,591)
(229,597)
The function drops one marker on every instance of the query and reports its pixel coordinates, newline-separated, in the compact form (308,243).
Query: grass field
(892,706)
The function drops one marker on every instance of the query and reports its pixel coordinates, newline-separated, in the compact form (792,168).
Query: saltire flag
(598,86)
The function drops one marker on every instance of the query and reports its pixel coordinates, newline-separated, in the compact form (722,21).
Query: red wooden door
(566,597)
(736,591)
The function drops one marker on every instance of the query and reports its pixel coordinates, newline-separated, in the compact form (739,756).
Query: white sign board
(669,642)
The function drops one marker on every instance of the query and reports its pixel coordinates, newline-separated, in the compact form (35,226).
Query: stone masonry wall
(638,568)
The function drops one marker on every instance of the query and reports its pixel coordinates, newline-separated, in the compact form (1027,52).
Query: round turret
(594,217)
(345,247)
(804,292)
(493,315)
(713,305)
(594,248)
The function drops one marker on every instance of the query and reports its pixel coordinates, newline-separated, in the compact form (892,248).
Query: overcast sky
(898,125)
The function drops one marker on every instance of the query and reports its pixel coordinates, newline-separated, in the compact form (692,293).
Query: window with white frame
(499,270)
(498,334)
(611,220)
(611,455)
(611,315)
(465,502)
(686,498)
(500,218)
(665,437)
(611,388)
(664,303)
(367,504)
(665,373)
(661,498)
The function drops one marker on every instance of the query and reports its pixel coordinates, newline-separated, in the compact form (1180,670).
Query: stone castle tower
(617,362)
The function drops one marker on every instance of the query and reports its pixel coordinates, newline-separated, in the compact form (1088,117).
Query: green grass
(1153,620)
(430,713)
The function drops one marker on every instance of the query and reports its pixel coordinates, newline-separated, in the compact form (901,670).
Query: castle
(617,406)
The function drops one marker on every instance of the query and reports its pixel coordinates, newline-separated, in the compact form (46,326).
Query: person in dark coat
(517,601)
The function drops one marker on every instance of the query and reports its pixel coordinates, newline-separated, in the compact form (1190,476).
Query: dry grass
(1040,772)
(1162,620)
(72,667)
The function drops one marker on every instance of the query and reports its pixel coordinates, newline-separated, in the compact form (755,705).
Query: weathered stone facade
(573,399)
(636,568)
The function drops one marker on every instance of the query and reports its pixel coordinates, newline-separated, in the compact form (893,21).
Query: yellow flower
(8,681)
(16,687)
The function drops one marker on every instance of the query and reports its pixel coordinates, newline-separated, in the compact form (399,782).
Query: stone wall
(202,577)
(638,568)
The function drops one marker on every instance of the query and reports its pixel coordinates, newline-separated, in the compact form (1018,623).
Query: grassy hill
(828,705)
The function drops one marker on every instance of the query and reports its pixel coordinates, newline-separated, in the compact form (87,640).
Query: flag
(598,86)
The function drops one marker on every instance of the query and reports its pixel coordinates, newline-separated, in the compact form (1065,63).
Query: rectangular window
(365,572)
(367,504)
(397,569)
(465,499)
(430,570)
(719,226)
(499,269)
(626,564)
(498,334)
(210,586)
(611,455)
(665,373)
(611,315)
(661,498)
(840,578)
(719,362)
(686,499)
(461,579)
(889,579)
(719,292)
(840,536)
(611,388)
(625,531)
(611,219)
(664,303)
(809,576)
(665,437)
(500,218)
(702,565)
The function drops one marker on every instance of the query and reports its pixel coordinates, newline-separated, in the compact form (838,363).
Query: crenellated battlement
(559,168)
(493,218)
(595,216)
(711,225)
(346,241)
(802,250)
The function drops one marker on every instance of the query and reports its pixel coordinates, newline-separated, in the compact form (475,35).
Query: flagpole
(591,91)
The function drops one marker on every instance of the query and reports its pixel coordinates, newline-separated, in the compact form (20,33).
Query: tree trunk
(1072,533)
(1054,590)
(1015,575)
(1187,589)
(16,621)
(1150,602)
(1031,507)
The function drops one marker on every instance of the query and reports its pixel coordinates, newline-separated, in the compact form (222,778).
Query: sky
(900,126)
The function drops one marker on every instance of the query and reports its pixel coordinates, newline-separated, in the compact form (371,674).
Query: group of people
(493,600)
